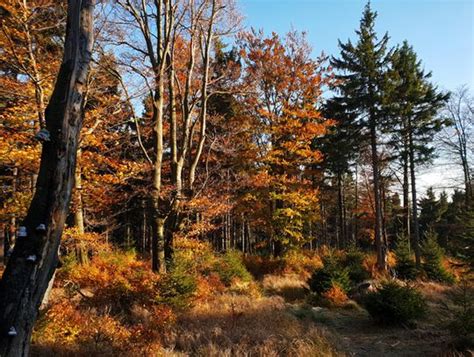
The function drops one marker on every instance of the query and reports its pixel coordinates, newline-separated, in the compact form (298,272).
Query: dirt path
(360,337)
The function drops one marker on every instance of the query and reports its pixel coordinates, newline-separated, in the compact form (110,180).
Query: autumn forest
(176,183)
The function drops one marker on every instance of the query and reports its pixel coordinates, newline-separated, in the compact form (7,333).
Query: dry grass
(233,325)
(290,287)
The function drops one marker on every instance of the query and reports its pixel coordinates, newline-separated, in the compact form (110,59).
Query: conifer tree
(362,71)
(414,102)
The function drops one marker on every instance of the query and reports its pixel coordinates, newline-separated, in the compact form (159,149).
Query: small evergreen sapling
(330,275)
(405,267)
(394,304)
(433,255)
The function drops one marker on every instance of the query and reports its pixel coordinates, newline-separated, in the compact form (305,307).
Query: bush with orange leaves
(336,296)
(68,329)
(89,242)
(259,266)
(115,301)
(302,263)
(115,278)
(104,307)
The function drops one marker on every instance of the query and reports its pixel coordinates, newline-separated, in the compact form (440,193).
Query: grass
(232,325)
(289,287)
(272,316)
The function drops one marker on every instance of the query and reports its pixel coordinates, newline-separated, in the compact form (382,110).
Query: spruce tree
(362,71)
(414,102)
(340,147)
(431,211)
(405,268)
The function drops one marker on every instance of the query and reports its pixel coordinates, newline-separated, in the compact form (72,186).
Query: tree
(340,147)
(458,137)
(30,33)
(362,72)
(173,56)
(431,211)
(285,100)
(414,103)
(35,255)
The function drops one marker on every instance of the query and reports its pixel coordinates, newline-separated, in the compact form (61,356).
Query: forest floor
(272,316)
(355,333)
(280,322)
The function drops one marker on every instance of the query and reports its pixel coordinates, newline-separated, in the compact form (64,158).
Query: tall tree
(414,101)
(340,147)
(169,45)
(458,137)
(362,72)
(286,86)
(35,255)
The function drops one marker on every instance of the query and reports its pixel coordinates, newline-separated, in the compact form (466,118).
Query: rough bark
(24,282)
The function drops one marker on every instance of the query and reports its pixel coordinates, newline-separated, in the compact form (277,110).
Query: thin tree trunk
(467,181)
(81,251)
(340,209)
(35,257)
(356,208)
(406,198)
(416,228)
(11,237)
(158,239)
(381,249)
(204,97)
(78,213)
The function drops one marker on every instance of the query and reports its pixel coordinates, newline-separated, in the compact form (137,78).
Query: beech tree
(285,86)
(174,59)
(35,255)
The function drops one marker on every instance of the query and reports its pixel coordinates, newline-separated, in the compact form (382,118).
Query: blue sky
(441,31)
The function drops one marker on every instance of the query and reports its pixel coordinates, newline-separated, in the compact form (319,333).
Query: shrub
(405,267)
(336,296)
(177,287)
(230,267)
(194,256)
(353,261)
(461,325)
(260,266)
(115,280)
(395,304)
(331,274)
(302,262)
(433,260)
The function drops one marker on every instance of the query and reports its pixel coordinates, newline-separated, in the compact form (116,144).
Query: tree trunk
(81,251)
(158,238)
(467,180)
(78,212)
(35,257)
(11,236)
(381,249)
(356,208)
(406,198)
(416,228)
(340,208)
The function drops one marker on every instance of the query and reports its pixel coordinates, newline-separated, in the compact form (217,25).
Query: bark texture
(35,256)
